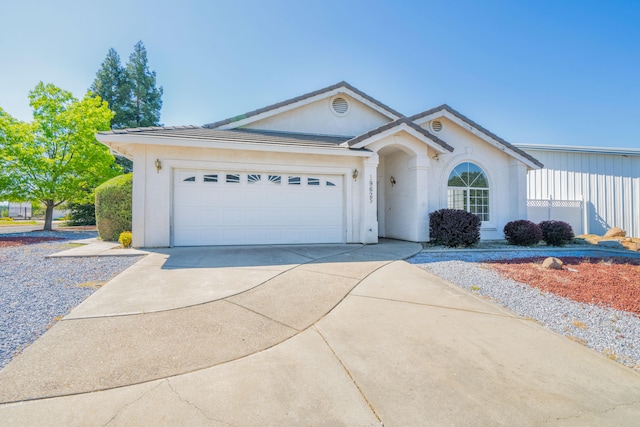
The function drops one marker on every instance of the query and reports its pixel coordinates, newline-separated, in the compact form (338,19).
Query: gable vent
(340,106)
(436,126)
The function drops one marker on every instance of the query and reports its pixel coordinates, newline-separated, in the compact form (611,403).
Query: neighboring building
(606,181)
(330,166)
(19,210)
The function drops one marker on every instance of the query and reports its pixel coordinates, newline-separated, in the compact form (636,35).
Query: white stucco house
(331,166)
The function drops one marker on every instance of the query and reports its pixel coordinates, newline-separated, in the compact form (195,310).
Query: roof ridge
(301,98)
(402,120)
(146,129)
(482,129)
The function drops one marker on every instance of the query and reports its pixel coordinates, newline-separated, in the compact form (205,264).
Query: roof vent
(340,106)
(436,126)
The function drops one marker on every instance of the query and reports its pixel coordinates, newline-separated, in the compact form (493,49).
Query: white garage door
(231,208)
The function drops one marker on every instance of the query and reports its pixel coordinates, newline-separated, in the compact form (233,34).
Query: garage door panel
(256,208)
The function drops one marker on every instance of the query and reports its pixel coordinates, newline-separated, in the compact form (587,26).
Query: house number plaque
(370,189)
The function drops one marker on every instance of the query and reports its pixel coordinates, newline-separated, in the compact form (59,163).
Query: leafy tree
(56,157)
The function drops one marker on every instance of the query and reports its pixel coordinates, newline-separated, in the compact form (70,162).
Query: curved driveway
(305,335)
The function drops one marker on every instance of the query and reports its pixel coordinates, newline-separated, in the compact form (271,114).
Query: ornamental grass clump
(556,233)
(454,227)
(522,233)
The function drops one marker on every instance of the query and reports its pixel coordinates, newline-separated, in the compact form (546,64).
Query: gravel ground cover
(615,333)
(36,291)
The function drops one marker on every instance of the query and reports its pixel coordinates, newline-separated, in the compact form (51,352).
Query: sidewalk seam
(440,306)
(197,408)
(353,380)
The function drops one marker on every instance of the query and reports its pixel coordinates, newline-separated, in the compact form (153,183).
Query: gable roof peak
(396,124)
(482,130)
(386,110)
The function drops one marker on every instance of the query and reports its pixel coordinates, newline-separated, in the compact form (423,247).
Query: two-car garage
(218,207)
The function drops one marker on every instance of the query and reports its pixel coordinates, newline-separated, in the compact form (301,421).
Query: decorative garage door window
(468,189)
(222,207)
(233,178)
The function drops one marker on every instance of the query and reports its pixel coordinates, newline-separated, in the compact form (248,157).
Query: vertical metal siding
(609,183)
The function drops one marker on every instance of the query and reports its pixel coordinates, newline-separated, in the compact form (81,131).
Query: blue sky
(536,72)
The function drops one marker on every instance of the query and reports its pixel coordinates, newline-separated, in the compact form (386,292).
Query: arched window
(468,189)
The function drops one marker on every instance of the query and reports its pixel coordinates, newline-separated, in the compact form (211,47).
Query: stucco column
(368,178)
(419,169)
(138,197)
(518,182)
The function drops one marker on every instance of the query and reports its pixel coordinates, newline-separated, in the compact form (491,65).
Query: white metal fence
(606,179)
(569,211)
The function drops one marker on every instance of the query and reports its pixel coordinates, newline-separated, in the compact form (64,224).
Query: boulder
(615,244)
(615,232)
(552,263)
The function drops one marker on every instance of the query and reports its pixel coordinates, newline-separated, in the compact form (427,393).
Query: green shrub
(37,210)
(556,233)
(522,232)
(81,213)
(113,207)
(454,227)
(125,239)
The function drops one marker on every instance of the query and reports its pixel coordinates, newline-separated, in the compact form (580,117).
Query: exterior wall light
(158,164)
(392,180)
(355,174)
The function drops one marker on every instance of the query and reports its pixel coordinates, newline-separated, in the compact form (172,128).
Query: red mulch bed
(610,282)
(23,240)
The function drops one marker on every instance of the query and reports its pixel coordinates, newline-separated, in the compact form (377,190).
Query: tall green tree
(146,98)
(112,85)
(131,90)
(55,158)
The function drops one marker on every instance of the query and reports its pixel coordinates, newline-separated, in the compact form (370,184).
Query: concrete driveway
(305,335)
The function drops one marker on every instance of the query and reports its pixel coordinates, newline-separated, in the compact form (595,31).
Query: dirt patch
(24,240)
(611,282)
(77,228)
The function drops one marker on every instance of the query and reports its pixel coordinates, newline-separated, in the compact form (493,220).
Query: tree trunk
(48,216)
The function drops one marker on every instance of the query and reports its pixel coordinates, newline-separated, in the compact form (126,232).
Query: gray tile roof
(397,123)
(301,98)
(239,136)
(477,126)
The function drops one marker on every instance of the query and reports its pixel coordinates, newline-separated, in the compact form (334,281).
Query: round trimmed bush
(125,239)
(454,227)
(556,233)
(113,207)
(522,232)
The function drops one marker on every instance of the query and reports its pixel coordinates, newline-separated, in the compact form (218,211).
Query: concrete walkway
(305,335)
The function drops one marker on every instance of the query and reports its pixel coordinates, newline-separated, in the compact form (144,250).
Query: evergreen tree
(130,91)
(146,99)
(112,85)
